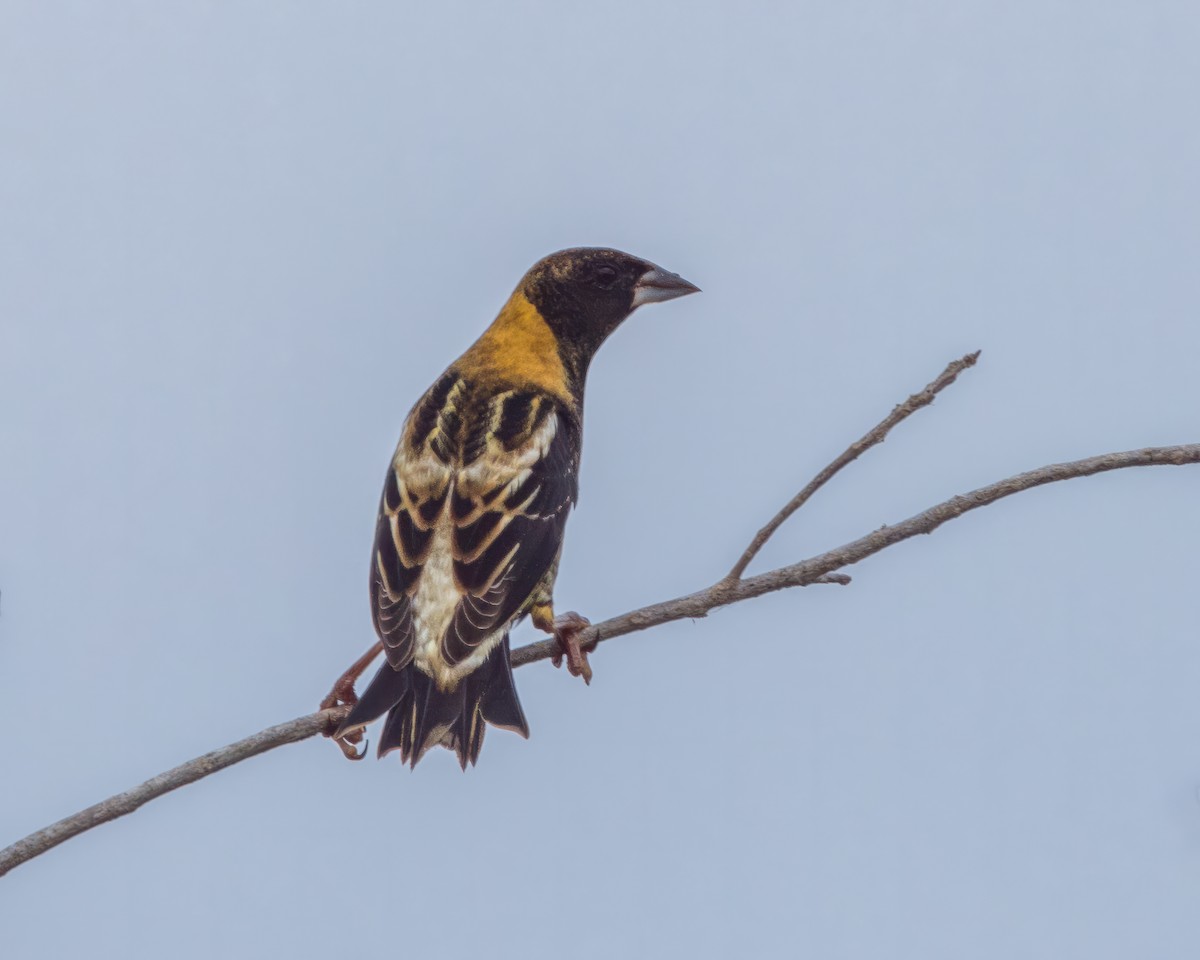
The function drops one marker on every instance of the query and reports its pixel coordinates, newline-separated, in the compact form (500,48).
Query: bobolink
(474,507)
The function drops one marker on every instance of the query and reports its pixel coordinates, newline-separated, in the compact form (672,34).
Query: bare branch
(818,569)
(875,435)
(122,803)
(813,570)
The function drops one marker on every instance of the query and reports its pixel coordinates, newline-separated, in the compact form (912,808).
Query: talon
(348,742)
(347,745)
(343,695)
(567,628)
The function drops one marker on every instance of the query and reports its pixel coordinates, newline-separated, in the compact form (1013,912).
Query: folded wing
(509,509)
(491,483)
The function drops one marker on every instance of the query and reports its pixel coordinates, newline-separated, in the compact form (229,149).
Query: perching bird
(475,504)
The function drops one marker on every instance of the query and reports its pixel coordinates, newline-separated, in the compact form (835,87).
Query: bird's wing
(414,497)
(508,507)
(502,481)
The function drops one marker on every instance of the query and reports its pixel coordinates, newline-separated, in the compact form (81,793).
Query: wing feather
(490,480)
(414,496)
(510,510)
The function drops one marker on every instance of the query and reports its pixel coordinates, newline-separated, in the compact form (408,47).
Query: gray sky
(237,241)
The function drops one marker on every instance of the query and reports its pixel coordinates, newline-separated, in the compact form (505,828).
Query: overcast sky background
(238,240)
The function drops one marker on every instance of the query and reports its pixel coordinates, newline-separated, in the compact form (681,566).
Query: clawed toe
(343,695)
(567,629)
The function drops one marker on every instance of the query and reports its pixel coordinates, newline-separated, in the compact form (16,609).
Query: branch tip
(874,436)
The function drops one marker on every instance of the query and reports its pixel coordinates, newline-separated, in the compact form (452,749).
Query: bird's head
(585,293)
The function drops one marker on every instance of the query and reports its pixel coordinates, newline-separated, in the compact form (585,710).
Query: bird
(474,508)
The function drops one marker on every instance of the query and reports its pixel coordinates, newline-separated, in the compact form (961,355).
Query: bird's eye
(605,276)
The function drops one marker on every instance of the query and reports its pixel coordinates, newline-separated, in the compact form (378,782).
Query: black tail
(420,716)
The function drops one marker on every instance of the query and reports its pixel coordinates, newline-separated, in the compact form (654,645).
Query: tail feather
(435,722)
(420,716)
(499,704)
(387,689)
(397,729)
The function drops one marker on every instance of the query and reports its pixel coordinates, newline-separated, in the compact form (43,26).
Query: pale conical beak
(657,285)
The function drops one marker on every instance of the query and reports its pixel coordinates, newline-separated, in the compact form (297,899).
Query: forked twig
(875,435)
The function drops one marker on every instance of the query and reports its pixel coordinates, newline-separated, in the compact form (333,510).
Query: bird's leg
(566,629)
(343,694)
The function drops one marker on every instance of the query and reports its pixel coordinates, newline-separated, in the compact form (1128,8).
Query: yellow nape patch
(519,348)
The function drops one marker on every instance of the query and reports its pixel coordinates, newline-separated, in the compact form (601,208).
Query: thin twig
(818,569)
(122,803)
(875,435)
(806,572)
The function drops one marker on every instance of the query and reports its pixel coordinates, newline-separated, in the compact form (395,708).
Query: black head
(584,293)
